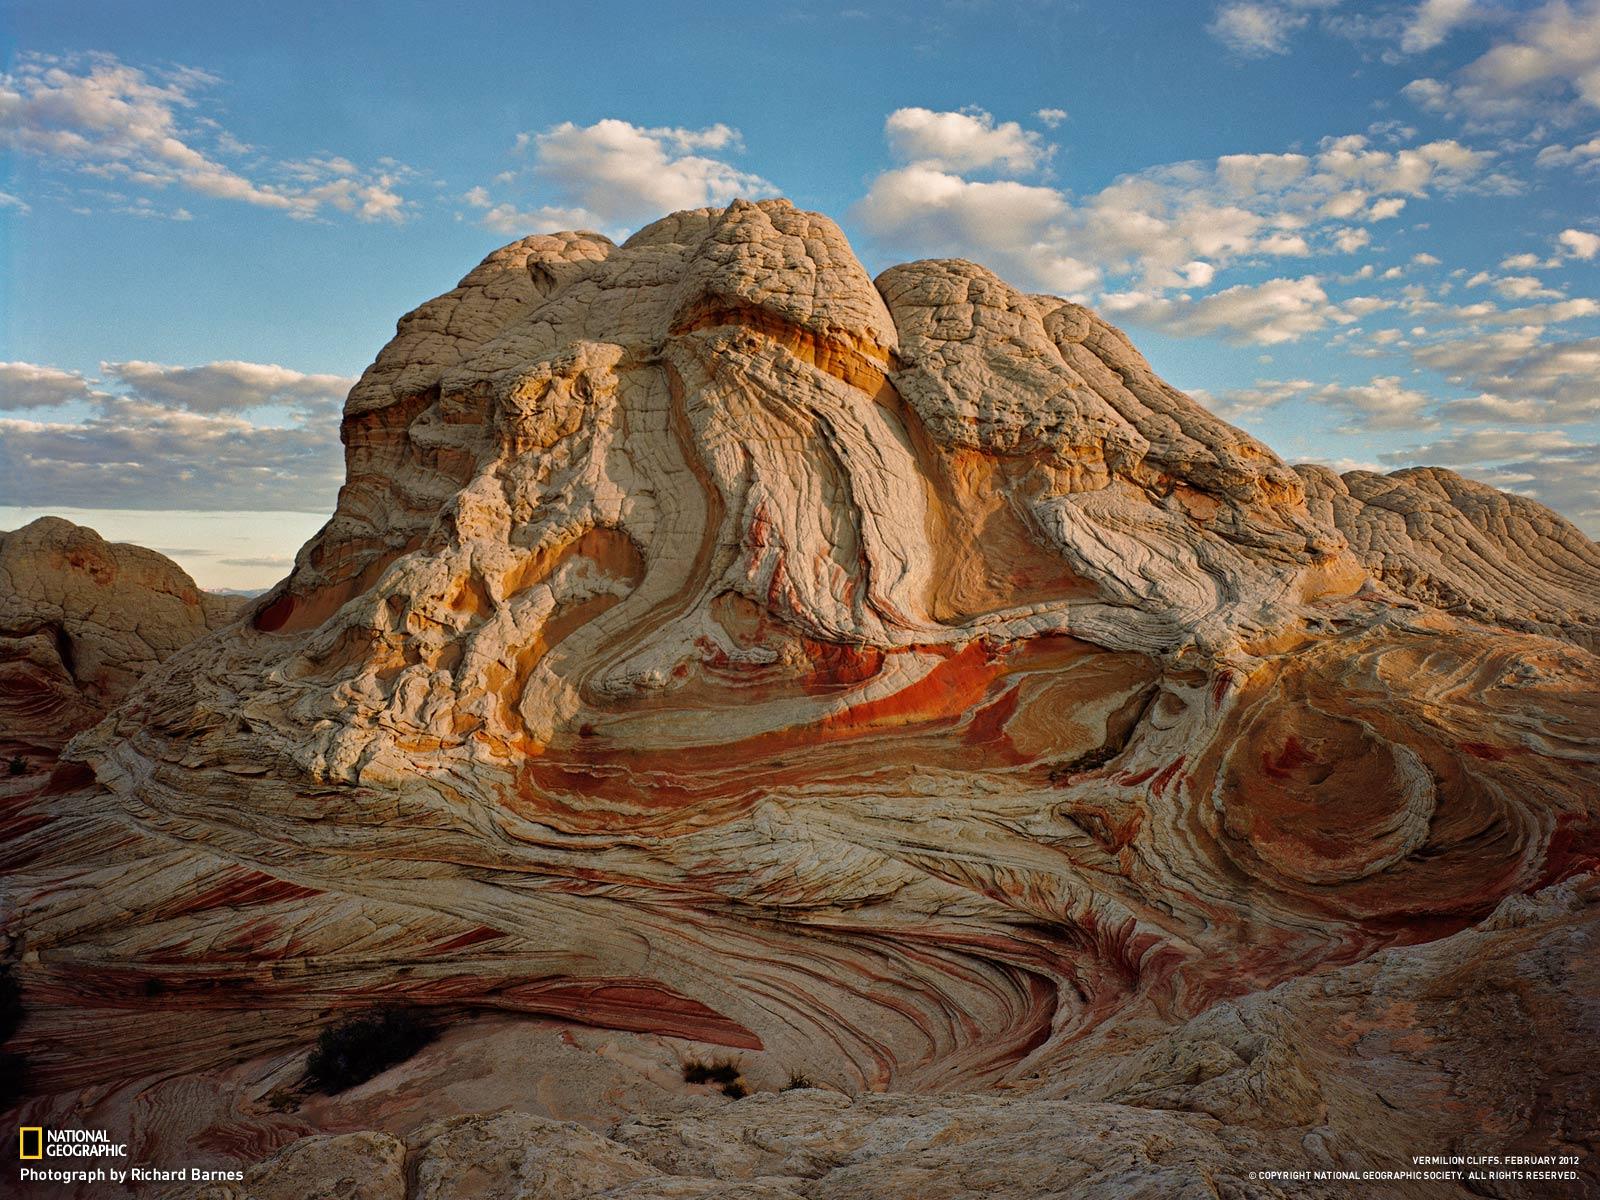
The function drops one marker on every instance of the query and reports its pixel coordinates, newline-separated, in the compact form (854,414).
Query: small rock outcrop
(81,621)
(891,682)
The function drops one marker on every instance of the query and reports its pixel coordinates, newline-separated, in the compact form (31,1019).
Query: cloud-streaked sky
(1367,232)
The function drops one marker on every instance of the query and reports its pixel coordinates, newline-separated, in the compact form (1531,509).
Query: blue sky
(1366,232)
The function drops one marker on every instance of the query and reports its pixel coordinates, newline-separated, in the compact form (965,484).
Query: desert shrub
(18,765)
(722,1071)
(718,1070)
(356,1049)
(798,1080)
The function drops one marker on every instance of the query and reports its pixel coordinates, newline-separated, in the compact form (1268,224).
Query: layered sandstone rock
(81,620)
(1461,1046)
(894,683)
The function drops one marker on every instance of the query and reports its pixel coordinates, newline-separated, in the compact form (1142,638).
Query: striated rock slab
(81,620)
(892,682)
(1458,1047)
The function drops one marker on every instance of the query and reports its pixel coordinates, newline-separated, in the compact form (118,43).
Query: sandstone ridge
(81,620)
(892,682)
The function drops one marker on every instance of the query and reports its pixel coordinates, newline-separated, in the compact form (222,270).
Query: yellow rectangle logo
(31,1136)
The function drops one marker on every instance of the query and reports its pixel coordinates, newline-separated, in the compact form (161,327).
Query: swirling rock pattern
(895,681)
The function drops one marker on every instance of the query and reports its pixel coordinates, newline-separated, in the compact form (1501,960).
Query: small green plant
(355,1050)
(798,1080)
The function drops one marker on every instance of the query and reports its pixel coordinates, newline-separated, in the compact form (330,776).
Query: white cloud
(1516,370)
(1240,404)
(95,115)
(1549,63)
(1172,226)
(16,203)
(1382,404)
(1432,21)
(27,385)
(1533,314)
(1279,310)
(1254,30)
(1349,241)
(509,219)
(1527,262)
(228,386)
(1524,287)
(1579,243)
(1014,227)
(173,437)
(614,175)
(626,174)
(1585,156)
(1051,117)
(962,141)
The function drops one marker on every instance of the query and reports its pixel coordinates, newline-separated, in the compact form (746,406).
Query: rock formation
(893,682)
(81,619)
(1317,1074)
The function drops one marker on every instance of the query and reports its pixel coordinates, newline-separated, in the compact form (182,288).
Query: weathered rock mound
(81,621)
(1464,547)
(895,682)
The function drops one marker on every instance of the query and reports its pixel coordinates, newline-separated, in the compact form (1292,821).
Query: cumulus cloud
(229,386)
(1584,156)
(962,141)
(1519,375)
(157,437)
(1579,243)
(29,385)
(1051,117)
(613,175)
(1536,315)
(95,115)
(1279,310)
(1381,404)
(1432,21)
(1550,63)
(1255,30)
(1171,226)
(1015,227)
(1241,404)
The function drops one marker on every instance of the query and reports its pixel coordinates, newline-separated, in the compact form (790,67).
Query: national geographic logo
(78,1156)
